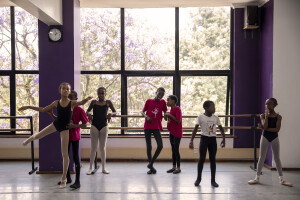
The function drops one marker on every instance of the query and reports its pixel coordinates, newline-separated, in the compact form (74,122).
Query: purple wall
(246,80)
(266,59)
(56,66)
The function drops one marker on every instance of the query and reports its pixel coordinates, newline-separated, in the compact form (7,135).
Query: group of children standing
(69,114)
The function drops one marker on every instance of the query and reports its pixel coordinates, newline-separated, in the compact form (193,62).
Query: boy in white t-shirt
(208,123)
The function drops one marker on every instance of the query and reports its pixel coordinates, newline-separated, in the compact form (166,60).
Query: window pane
(150,39)
(112,83)
(196,90)
(26,40)
(4,101)
(100,39)
(204,38)
(5,39)
(27,93)
(139,90)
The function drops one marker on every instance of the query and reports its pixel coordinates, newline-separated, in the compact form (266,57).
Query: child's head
(101,92)
(64,89)
(160,92)
(172,100)
(209,107)
(271,103)
(73,95)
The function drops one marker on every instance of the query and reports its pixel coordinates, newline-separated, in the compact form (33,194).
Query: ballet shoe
(27,141)
(177,171)
(197,182)
(68,181)
(171,170)
(63,184)
(76,185)
(286,183)
(254,181)
(214,184)
(90,172)
(104,171)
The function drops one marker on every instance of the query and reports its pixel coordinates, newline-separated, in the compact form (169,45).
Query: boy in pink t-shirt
(174,118)
(153,124)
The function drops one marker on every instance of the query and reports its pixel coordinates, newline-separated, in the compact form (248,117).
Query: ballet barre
(33,168)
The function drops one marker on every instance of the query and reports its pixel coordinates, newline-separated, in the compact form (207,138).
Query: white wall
(286,80)
(49,12)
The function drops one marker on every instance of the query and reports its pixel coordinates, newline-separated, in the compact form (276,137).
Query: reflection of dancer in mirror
(154,108)
(174,118)
(64,114)
(74,137)
(270,123)
(99,128)
(208,122)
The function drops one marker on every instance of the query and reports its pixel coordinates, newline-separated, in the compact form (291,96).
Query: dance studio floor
(130,181)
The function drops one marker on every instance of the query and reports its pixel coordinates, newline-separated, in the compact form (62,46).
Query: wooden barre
(184,128)
(189,116)
(14,117)
(14,129)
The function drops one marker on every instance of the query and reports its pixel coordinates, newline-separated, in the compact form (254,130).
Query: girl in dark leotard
(270,123)
(64,113)
(99,128)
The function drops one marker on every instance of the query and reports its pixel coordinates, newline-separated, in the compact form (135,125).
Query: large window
(19,79)
(132,52)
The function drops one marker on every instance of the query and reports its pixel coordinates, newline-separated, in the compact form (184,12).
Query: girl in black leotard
(64,113)
(270,123)
(99,129)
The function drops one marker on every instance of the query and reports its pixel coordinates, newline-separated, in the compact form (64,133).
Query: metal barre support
(32,149)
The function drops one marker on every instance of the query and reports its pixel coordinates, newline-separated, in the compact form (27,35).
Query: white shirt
(208,125)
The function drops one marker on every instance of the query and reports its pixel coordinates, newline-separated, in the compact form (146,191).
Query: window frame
(12,73)
(176,74)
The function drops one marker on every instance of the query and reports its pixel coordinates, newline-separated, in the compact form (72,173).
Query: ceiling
(167,3)
(158,3)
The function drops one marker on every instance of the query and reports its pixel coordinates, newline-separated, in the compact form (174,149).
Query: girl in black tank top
(269,135)
(64,116)
(100,116)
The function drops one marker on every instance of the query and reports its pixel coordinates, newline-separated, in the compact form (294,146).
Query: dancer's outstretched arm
(40,109)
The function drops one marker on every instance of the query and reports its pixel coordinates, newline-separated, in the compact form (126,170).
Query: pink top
(154,110)
(174,127)
(78,115)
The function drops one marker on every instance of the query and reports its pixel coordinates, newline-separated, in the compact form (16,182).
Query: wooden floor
(130,181)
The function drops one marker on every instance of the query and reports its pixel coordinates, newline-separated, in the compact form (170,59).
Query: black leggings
(158,139)
(209,143)
(75,148)
(175,142)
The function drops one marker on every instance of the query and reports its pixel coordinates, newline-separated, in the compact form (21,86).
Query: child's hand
(191,145)
(23,108)
(167,114)
(90,117)
(267,112)
(149,120)
(259,125)
(222,143)
(71,125)
(108,117)
(89,98)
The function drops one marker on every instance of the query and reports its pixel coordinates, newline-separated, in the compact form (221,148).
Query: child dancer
(208,122)
(99,128)
(74,137)
(174,118)
(153,124)
(270,123)
(64,113)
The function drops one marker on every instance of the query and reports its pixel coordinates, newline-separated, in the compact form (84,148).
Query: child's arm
(191,145)
(172,117)
(82,102)
(278,125)
(109,115)
(90,117)
(223,135)
(52,115)
(264,119)
(144,114)
(40,109)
